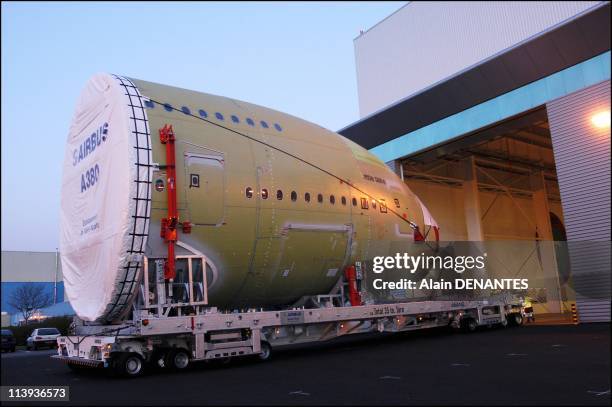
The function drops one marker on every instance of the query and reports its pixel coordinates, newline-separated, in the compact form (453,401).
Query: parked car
(42,337)
(8,340)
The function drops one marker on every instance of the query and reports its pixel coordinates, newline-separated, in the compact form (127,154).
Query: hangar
(497,115)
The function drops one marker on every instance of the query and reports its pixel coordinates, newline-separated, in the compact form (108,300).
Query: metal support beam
(546,247)
(507,191)
(473,217)
(541,209)
(493,155)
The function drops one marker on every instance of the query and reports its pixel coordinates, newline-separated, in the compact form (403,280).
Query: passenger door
(205,185)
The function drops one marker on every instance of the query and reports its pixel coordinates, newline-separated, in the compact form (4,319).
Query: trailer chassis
(176,341)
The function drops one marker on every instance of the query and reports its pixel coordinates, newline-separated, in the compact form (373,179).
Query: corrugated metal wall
(425,42)
(582,155)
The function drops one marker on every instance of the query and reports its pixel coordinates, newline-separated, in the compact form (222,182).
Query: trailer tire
(177,359)
(158,359)
(516,319)
(266,351)
(469,325)
(129,365)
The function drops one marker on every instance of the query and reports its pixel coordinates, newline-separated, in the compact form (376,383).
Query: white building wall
(426,42)
(30,267)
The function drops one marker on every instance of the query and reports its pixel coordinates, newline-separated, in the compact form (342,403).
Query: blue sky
(294,57)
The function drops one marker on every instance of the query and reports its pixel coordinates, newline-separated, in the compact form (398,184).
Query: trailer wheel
(516,319)
(469,325)
(266,351)
(177,359)
(129,365)
(158,359)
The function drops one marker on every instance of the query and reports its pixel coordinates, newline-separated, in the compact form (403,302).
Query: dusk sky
(294,57)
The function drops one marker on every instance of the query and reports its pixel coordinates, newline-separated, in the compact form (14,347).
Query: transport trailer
(172,336)
(174,226)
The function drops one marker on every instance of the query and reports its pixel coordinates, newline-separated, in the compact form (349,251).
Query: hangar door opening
(499,185)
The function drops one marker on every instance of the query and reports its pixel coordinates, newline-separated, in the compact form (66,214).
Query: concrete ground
(544,365)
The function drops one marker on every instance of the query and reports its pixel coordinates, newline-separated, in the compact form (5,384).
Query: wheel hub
(133,365)
(181,360)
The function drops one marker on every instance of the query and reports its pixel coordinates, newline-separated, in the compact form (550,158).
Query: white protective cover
(105,202)
(427,218)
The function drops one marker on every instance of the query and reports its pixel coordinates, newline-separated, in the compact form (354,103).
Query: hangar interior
(500,184)
(508,162)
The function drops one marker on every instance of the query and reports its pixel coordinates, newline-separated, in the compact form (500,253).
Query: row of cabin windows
(365,203)
(169,108)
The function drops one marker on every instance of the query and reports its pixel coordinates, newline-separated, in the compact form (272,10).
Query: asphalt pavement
(544,365)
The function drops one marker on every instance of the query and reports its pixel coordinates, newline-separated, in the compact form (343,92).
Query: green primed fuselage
(274,246)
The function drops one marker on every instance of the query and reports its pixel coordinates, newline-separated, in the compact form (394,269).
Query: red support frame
(169,224)
(350,274)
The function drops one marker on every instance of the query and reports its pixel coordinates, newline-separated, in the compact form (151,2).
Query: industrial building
(497,115)
(38,268)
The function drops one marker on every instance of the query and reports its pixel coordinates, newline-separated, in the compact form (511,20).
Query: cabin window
(364,203)
(264,124)
(219,116)
(293,196)
(373,203)
(307,196)
(264,193)
(185,110)
(168,107)
(343,200)
(279,195)
(249,192)
(235,119)
(203,113)
(383,207)
(278,127)
(332,199)
(397,204)
(320,198)
(250,121)
(354,200)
